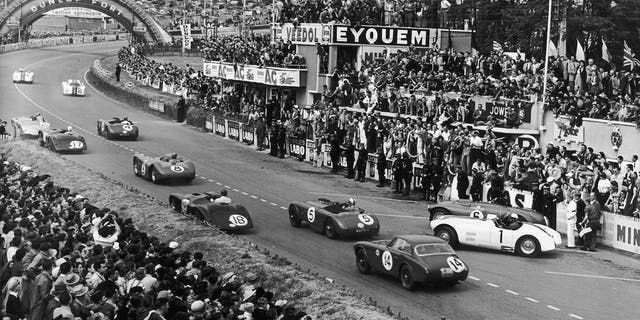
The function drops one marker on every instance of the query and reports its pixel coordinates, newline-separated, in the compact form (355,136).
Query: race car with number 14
(334,219)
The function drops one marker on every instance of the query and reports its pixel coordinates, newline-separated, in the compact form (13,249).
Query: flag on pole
(606,56)
(628,58)
(579,52)
(553,51)
(497,46)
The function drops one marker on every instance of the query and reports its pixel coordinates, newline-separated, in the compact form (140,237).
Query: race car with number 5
(414,259)
(117,128)
(334,219)
(165,168)
(203,206)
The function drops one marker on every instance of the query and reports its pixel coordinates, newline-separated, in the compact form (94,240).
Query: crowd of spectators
(8,39)
(254,49)
(52,266)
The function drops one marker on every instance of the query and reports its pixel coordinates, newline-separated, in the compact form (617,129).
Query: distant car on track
(523,238)
(203,206)
(30,125)
(22,76)
(164,168)
(413,259)
(334,219)
(117,128)
(482,209)
(62,140)
(73,88)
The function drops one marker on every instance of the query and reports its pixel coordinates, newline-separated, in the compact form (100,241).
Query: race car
(164,168)
(72,88)
(334,219)
(412,258)
(203,206)
(22,76)
(504,234)
(117,128)
(482,209)
(30,125)
(62,140)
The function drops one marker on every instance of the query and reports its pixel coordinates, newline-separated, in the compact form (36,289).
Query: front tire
(406,278)
(448,235)
(528,246)
(330,230)
(362,261)
(136,167)
(154,175)
(295,221)
(437,213)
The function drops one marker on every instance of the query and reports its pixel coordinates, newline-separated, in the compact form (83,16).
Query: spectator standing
(572,219)
(118,71)
(425,180)
(350,157)
(41,292)
(260,131)
(361,163)
(407,172)
(381,166)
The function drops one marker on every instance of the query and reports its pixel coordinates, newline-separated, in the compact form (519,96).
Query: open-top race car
(30,125)
(164,168)
(412,258)
(334,219)
(225,216)
(22,76)
(62,140)
(498,233)
(117,128)
(73,88)
(482,209)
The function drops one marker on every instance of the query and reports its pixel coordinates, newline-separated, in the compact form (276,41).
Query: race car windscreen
(432,248)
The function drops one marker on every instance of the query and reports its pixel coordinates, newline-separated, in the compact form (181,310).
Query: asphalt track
(500,286)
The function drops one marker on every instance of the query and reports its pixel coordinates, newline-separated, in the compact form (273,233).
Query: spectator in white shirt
(571,212)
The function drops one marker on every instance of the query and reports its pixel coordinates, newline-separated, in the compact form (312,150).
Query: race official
(335,153)
(350,156)
(436,179)
(381,166)
(397,175)
(407,172)
(273,139)
(592,219)
(282,137)
(361,164)
(425,180)
(571,212)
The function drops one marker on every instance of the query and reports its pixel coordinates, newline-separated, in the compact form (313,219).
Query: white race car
(22,76)
(30,125)
(523,238)
(73,88)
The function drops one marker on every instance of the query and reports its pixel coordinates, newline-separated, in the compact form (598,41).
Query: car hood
(353,219)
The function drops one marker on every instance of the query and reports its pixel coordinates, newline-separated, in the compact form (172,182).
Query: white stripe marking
(575,316)
(210,180)
(473,278)
(532,300)
(252,196)
(283,208)
(493,285)
(227,187)
(512,292)
(553,308)
(591,276)
(273,204)
(218,183)
(203,177)
(244,193)
(236,190)
(263,200)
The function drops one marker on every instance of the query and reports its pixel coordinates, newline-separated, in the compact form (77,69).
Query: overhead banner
(305,33)
(278,77)
(185,30)
(384,36)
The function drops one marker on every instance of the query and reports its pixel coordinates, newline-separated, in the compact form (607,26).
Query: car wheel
(154,175)
(98,127)
(136,167)
(528,246)
(52,147)
(176,205)
(330,230)
(438,213)
(448,235)
(362,261)
(406,278)
(41,139)
(108,134)
(295,221)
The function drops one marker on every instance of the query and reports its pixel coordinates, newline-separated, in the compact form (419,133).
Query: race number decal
(127,127)
(366,219)
(455,264)
(176,168)
(387,260)
(311,214)
(477,214)
(237,220)
(76,144)
(143,169)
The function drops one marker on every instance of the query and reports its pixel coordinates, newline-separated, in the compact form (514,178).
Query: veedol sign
(377,35)
(306,33)
(103,4)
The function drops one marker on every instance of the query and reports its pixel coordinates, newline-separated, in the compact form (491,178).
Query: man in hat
(55,301)
(79,305)
(40,294)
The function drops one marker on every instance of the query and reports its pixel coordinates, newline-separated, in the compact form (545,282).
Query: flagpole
(546,56)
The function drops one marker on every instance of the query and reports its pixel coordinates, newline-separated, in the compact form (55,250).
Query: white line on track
(236,190)
(218,183)
(273,204)
(532,300)
(263,200)
(244,193)
(252,196)
(363,197)
(210,180)
(473,278)
(591,276)
(493,285)
(227,187)
(553,308)
(512,292)
(575,316)
(283,208)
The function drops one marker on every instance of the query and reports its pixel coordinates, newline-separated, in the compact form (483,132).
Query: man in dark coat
(425,180)
(381,166)
(260,132)
(335,153)
(273,139)
(282,137)
(349,155)
(436,180)
(407,172)
(397,175)
(361,164)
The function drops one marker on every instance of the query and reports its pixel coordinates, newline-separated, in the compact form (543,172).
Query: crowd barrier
(57,41)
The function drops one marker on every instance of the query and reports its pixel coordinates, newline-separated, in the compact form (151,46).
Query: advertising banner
(233,130)
(569,133)
(247,134)
(220,127)
(384,36)
(373,163)
(279,77)
(305,33)
(500,109)
(297,147)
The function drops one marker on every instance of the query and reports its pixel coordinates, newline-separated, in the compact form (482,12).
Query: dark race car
(165,168)
(117,129)
(334,219)
(415,259)
(203,206)
(62,140)
(482,210)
